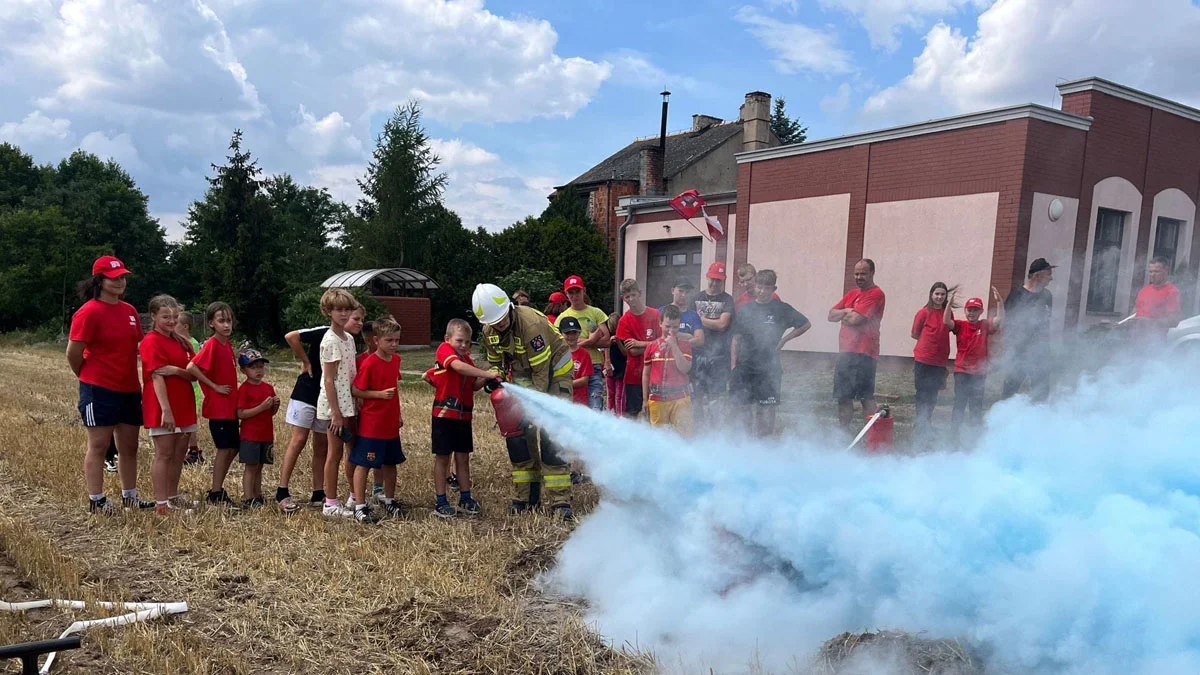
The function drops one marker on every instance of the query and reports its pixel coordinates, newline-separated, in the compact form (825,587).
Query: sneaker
(220,498)
(110,466)
(317,500)
(394,510)
(452,482)
(563,512)
(336,510)
(255,503)
(102,506)
(288,505)
(518,507)
(136,503)
(377,494)
(365,516)
(469,507)
(444,510)
(182,503)
(194,456)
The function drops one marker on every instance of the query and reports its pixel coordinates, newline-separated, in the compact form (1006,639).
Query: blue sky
(520,96)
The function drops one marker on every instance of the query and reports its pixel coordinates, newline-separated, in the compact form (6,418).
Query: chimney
(650,171)
(702,122)
(756,121)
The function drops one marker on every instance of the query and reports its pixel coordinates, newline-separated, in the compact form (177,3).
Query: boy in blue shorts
(379,421)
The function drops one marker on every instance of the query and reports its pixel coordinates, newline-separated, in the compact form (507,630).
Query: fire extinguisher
(508,410)
(880,434)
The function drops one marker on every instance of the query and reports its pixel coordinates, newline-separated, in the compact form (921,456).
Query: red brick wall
(414,317)
(604,203)
(1173,161)
(1053,165)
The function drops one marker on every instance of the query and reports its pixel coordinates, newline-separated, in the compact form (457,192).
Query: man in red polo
(1158,307)
(860,313)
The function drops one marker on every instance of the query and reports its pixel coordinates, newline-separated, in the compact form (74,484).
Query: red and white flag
(688,203)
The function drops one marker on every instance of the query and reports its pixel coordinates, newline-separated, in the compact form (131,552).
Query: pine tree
(787,129)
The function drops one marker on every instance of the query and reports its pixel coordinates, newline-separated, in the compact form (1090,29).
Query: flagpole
(689,222)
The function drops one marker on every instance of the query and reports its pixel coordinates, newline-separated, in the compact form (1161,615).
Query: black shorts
(633,400)
(759,387)
(451,435)
(373,453)
(226,436)
(710,380)
(100,407)
(256,452)
(853,377)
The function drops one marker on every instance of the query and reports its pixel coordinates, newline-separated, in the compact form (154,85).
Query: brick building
(701,158)
(1096,187)
(404,292)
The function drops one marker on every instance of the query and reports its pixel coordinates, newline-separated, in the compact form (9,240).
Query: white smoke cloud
(1066,542)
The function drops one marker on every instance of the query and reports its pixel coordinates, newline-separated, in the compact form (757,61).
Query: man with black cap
(681,297)
(1027,336)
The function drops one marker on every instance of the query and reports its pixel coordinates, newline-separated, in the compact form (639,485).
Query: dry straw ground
(272,593)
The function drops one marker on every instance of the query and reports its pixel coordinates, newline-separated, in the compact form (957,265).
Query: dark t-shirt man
(759,327)
(710,361)
(1027,341)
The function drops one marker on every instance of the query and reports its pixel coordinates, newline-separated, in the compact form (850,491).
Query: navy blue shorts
(225,434)
(450,435)
(376,452)
(256,452)
(100,407)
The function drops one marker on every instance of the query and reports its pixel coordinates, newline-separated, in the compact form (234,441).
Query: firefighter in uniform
(521,342)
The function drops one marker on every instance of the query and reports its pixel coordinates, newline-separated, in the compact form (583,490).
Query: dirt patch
(524,567)
(858,653)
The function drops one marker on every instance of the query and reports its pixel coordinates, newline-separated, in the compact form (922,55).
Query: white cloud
(837,102)
(635,69)
(882,19)
(340,179)
(35,127)
(798,48)
(119,148)
(173,222)
(457,153)
(484,190)
(1022,47)
(331,134)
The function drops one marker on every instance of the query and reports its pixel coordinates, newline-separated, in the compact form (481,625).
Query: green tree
(402,194)
(308,220)
(539,284)
(40,259)
(787,129)
(19,177)
(234,241)
(303,308)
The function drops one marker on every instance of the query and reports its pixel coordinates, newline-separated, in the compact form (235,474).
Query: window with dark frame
(1106,261)
(1166,240)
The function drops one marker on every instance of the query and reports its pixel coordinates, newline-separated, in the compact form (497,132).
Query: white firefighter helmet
(490,303)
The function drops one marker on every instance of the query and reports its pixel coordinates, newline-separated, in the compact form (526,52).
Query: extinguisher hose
(870,423)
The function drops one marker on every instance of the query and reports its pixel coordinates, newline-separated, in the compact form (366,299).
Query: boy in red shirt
(571,329)
(256,408)
(665,384)
(214,368)
(637,328)
(455,380)
(379,420)
(970,363)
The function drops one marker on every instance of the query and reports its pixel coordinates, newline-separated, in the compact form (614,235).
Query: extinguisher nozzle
(492,385)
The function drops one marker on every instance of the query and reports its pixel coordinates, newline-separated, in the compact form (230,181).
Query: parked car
(1186,334)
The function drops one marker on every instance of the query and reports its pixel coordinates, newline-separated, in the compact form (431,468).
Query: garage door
(668,262)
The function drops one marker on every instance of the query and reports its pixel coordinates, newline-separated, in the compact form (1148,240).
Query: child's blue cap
(250,356)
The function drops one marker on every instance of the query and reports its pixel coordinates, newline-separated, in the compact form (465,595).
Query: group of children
(347,401)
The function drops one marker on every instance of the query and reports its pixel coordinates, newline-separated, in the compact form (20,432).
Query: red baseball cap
(110,267)
(557,296)
(717,271)
(573,281)
(974,303)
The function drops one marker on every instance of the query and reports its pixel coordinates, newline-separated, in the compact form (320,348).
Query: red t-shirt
(933,345)
(643,327)
(160,350)
(582,368)
(261,427)
(746,298)
(863,338)
(972,341)
(216,362)
(358,360)
(378,417)
(454,394)
(1157,303)
(112,334)
(667,382)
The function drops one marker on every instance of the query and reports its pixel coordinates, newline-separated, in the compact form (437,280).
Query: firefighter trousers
(540,471)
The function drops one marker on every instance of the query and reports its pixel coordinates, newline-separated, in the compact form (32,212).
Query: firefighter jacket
(531,349)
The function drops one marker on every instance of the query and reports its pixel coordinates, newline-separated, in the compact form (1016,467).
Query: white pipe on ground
(870,423)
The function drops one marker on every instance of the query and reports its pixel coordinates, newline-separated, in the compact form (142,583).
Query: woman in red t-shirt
(103,354)
(931,355)
(168,402)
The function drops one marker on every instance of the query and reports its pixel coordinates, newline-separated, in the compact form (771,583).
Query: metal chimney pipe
(662,132)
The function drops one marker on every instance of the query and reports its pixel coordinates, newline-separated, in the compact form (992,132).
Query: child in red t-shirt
(168,402)
(665,384)
(571,329)
(257,404)
(215,370)
(455,380)
(970,363)
(379,420)
(637,328)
